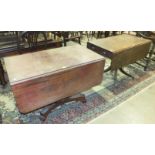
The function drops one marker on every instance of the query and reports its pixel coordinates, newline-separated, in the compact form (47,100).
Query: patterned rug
(100,99)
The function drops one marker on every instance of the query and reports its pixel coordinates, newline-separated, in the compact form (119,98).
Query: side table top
(116,44)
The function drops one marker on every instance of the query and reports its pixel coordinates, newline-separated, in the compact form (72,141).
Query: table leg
(115,75)
(107,69)
(98,34)
(149,58)
(1,121)
(65,42)
(79,40)
(124,72)
(87,34)
(139,64)
(153,59)
(2,78)
(76,98)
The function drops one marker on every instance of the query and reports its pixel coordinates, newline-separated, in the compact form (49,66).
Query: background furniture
(71,35)
(20,42)
(38,40)
(151,36)
(105,34)
(68,36)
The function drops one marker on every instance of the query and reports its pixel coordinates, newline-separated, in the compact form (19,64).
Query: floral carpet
(100,99)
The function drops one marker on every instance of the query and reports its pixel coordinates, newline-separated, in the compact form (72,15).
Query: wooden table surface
(119,43)
(122,49)
(33,65)
(42,78)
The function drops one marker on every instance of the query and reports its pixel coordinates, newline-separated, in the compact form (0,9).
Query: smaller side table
(122,50)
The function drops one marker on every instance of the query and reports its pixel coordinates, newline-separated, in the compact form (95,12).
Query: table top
(43,63)
(116,44)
